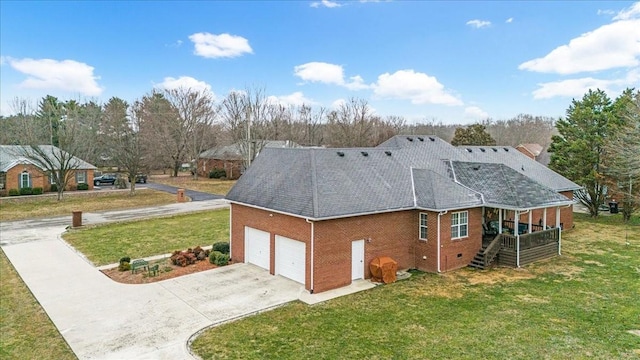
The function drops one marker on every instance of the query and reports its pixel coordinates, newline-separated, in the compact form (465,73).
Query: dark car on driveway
(105,179)
(140,178)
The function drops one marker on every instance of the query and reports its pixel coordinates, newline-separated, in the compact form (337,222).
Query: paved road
(194,195)
(102,319)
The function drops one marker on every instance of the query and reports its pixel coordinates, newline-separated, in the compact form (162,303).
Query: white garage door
(257,247)
(290,258)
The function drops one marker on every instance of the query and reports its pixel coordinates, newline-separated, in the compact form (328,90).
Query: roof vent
(388,153)
(340,153)
(364,153)
(477,167)
(432,139)
(522,167)
(494,149)
(505,149)
(421,139)
(410,139)
(469,150)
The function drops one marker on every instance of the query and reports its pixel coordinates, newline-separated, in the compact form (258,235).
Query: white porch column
(516,226)
(500,221)
(559,230)
(530,215)
(544,219)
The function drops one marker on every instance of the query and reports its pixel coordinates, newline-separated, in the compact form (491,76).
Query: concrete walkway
(102,319)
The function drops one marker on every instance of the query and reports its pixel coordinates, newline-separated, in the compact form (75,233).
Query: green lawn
(106,244)
(30,207)
(579,306)
(25,329)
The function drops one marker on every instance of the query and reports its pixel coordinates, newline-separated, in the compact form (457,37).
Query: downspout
(516,228)
(439,215)
(230,230)
(311,262)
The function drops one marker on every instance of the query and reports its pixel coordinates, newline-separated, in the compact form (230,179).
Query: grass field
(46,206)
(581,305)
(212,186)
(25,329)
(106,244)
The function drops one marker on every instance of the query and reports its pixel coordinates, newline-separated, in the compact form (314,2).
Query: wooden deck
(534,246)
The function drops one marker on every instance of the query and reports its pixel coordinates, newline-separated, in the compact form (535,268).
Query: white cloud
(475,113)
(479,24)
(337,103)
(184,82)
(295,99)
(418,87)
(175,44)
(67,75)
(577,87)
(325,3)
(609,46)
(328,74)
(509,20)
(632,12)
(220,46)
(608,12)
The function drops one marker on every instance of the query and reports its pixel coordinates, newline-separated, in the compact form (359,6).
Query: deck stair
(487,254)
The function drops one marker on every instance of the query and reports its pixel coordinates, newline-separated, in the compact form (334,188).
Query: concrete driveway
(102,319)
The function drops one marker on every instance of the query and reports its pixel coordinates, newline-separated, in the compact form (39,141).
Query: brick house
(231,158)
(18,171)
(320,216)
(535,152)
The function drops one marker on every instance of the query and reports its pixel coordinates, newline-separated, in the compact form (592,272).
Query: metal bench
(138,264)
(153,270)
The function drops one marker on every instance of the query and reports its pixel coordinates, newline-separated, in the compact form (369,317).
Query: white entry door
(257,247)
(290,258)
(357,260)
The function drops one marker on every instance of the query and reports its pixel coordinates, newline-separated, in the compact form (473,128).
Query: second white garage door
(257,247)
(290,258)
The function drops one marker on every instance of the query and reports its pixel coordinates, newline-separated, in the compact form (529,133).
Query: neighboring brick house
(535,152)
(231,158)
(18,171)
(320,216)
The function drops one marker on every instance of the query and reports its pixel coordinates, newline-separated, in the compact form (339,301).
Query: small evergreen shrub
(125,259)
(221,246)
(37,191)
(222,260)
(217,174)
(26,191)
(54,188)
(83,186)
(124,266)
(121,183)
(14,192)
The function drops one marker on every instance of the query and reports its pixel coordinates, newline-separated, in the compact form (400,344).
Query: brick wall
(40,179)
(389,234)
(231,167)
(458,253)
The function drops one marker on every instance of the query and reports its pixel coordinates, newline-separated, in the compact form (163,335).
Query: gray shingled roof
(12,155)
(398,175)
(521,163)
(503,186)
(233,151)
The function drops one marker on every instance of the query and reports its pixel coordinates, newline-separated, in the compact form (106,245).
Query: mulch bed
(166,271)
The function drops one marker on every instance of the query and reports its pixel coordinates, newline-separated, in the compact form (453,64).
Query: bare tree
(352,124)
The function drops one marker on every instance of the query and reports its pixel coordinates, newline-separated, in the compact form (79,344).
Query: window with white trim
(25,180)
(3,180)
(52,180)
(81,177)
(459,224)
(423,226)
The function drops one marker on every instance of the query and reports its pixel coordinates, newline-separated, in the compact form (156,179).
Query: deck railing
(523,227)
(528,241)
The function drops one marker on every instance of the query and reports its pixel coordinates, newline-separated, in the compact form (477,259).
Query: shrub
(213,256)
(3,193)
(54,188)
(222,260)
(221,246)
(121,183)
(217,174)
(124,266)
(125,259)
(37,191)
(14,192)
(83,186)
(26,191)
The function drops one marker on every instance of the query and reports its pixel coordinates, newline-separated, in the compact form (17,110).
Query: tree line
(594,144)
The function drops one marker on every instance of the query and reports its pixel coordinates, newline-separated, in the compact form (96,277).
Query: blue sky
(455,62)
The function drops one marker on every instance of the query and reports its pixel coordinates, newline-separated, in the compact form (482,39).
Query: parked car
(141,178)
(105,179)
